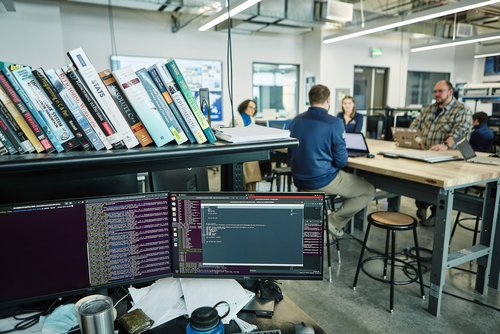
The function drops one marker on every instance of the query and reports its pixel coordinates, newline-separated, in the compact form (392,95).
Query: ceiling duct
(9,5)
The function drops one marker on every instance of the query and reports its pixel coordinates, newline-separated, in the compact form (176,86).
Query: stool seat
(277,174)
(393,219)
(283,170)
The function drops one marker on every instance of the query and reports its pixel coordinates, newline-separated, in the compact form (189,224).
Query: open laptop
(356,144)
(470,156)
(408,138)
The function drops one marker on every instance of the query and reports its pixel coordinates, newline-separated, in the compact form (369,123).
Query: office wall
(54,27)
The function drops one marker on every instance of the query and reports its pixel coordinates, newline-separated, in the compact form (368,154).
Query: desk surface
(443,175)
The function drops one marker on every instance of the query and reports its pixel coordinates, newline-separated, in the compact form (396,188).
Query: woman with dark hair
(353,121)
(251,169)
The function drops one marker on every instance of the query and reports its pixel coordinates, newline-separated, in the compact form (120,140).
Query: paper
(250,133)
(163,301)
(208,292)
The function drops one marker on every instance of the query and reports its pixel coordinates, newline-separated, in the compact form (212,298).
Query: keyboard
(268,331)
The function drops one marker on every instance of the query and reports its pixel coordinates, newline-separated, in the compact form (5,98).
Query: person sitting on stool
(317,161)
(482,136)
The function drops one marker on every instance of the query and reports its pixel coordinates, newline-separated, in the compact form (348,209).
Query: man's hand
(438,147)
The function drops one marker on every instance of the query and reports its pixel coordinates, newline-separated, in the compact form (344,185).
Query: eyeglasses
(440,91)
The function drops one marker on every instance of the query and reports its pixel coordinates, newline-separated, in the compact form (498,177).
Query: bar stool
(458,221)
(391,222)
(283,177)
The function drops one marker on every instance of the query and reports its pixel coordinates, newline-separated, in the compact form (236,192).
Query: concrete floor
(339,309)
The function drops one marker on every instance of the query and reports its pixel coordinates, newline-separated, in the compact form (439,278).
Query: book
(7,144)
(112,136)
(74,109)
(183,107)
(62,109)
(186,92)
(6,69)
(251,133)
(36,94)
(3,149)
(21,143)
(102,96)
(23,109)
(162,106)
(21,125)
(126,109)
(153,72)
(136,94)
(86,112)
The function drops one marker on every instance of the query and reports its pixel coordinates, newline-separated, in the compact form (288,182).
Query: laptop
(470,156)
(356,144)
(420,155)
(408,138)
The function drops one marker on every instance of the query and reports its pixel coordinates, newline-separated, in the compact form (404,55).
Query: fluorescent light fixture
(236,8)
(410,19)
(487,55)
(461,41)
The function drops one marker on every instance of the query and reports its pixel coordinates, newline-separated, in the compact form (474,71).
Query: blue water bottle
(206,320)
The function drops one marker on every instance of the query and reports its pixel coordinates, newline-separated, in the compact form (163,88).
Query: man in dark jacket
(482,136)
(317,161)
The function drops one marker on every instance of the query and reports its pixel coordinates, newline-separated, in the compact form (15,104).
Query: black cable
(229,60)
(30,320)
(114,51)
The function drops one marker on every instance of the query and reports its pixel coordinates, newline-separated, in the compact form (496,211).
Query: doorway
(370,88)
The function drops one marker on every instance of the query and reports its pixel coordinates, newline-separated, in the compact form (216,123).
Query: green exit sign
(375,52)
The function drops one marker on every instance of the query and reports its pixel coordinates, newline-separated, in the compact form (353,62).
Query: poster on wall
(198,74)
(492,66)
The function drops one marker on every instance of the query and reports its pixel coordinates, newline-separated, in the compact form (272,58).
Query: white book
(101,94)
(251,133)
(142,104)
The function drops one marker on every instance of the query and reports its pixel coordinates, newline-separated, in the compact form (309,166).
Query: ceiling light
(238,7)
(461,41)
(487,55)
(410,19)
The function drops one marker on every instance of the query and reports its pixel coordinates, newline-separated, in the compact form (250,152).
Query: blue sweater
(321,152)
(481,137)
(354,125)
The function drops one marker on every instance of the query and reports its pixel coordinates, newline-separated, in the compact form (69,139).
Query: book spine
(42,102)
(33,124)
(126,109)
(72,106)
(62,109)
(22,128)
(31,106)
(154,71)
(102,96)
(112,135)
(3,149)
(161,105)
(186,92)
(5,137)
(10,129)
(183,107)
(133,89)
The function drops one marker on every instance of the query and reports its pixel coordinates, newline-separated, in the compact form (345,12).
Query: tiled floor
(339,309)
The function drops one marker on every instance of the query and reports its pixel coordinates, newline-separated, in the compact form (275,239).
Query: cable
(30,320)
(114,51)
(229,60)
(118,302)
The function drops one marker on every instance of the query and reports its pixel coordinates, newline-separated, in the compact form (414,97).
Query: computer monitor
(58,248)
(283,124)
(247,235)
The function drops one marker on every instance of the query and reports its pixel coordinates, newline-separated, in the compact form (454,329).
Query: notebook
(470,156)
(409,138)
(420,155)
(356,144)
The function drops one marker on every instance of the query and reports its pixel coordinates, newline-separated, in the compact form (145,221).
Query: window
(275,89)
(419,86)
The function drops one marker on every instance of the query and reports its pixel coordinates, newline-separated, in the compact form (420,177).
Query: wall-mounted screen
(492,66)
(198,74)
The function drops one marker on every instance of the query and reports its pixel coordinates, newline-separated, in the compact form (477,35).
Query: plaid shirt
(455,120)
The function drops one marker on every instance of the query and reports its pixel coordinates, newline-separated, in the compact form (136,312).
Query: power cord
(229,61)
(30,320)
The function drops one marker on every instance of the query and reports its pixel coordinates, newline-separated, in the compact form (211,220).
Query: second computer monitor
(247,235)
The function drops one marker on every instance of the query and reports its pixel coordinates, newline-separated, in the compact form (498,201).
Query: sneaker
(337,232)
(429,222)
(422,214)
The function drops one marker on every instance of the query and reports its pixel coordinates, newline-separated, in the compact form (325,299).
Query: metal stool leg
(328,254)
(393,255)
(387,236)
(361,257)
(476,231)
(419,268)
(455,225)
(272,181)
(339,261)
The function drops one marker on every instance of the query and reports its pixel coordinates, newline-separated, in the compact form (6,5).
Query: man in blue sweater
(317,161)
(482,136)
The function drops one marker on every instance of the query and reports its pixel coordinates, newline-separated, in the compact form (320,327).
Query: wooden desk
(436,183)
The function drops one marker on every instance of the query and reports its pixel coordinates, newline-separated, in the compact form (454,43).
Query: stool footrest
(388,281)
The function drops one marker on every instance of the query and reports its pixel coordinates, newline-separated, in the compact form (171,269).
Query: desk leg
(440,249)
(495,260)
(488,229)
(232,177)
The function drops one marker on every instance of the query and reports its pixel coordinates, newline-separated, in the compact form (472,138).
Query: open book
(250,133)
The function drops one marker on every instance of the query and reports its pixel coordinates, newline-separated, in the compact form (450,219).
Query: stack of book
(76,107)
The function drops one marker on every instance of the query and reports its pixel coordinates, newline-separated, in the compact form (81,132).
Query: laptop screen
(465,149)
(355,141)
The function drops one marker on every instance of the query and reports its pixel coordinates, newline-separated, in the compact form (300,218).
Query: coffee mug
(96,314)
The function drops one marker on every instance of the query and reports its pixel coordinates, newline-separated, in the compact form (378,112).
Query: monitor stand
(261,307)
